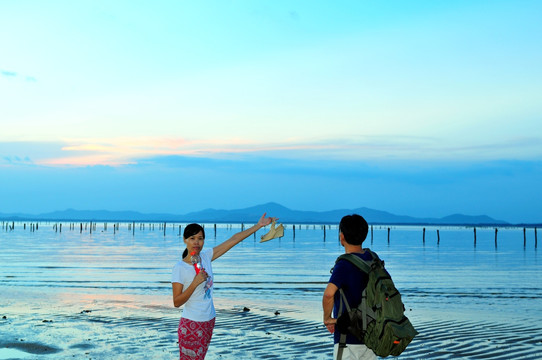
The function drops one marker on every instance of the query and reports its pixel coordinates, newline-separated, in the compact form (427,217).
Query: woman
(195,291)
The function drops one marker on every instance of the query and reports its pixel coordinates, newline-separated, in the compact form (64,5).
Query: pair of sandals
(274,232)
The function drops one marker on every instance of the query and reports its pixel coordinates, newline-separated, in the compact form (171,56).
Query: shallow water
(467,300)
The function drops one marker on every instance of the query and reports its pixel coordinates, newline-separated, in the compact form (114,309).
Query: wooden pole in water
(371,234)
(524,238)
(475,236)
(164,229)
(438,237)
(388,235)
(60,227)
(179,230)
(424,236)
(496,237)
(535,239)
(324,233)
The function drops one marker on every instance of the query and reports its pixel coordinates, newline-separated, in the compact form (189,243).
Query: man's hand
(330,324)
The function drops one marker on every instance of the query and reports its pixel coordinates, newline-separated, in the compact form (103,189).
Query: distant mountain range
(252,214)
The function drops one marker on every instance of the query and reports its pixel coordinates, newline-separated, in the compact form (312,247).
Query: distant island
(249,214)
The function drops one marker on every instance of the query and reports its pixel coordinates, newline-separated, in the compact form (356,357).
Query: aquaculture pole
(424,236)
(388,235)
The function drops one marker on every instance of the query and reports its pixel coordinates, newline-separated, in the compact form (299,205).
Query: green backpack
(379,320)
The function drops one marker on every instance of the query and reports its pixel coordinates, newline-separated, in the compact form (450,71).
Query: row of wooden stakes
(496,232)
(92,226)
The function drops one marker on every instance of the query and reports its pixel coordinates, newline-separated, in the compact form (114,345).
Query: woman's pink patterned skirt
(194,338)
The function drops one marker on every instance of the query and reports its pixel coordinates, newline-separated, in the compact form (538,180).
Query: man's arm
(327,305)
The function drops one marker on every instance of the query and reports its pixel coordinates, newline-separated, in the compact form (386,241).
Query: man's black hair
(354,229)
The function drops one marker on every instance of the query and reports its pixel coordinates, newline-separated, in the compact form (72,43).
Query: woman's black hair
(190,230)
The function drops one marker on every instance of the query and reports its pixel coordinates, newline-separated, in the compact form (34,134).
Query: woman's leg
(194,338)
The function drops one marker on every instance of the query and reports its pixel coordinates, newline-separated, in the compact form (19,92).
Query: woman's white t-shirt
(199,306)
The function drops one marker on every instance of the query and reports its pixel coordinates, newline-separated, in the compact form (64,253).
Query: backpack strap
(342,338)
(367,311)
(361,264)
(342,345)
(365,266)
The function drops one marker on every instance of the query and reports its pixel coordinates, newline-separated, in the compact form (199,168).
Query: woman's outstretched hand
(264,221)
(221,249)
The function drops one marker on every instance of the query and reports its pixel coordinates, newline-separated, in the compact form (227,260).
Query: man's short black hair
(354,229)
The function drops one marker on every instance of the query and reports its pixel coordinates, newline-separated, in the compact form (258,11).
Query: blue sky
(420,108)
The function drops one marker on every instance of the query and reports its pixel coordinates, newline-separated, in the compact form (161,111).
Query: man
(346,276)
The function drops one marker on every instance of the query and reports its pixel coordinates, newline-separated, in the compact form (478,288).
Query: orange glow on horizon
(127,151)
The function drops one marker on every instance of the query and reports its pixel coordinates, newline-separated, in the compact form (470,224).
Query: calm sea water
(435,274)
(451,286)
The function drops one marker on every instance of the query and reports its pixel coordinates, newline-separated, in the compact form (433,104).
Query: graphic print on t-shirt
(207,288)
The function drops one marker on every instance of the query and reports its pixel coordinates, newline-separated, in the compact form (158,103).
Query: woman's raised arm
(223,248)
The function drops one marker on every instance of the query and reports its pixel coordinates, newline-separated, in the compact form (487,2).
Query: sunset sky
(420,108)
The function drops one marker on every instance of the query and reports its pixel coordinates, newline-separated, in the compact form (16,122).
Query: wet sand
(144,327)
